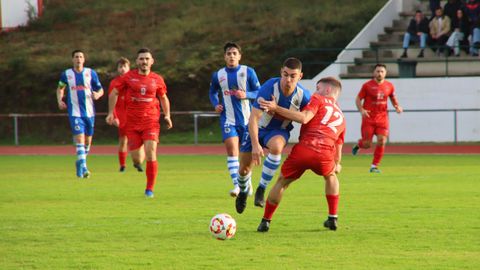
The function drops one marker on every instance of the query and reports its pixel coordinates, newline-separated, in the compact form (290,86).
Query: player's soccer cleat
(264,225)
(330,223)
(260,197)
(122,169)
(241,202)
(149,193)
(86,173)
(234,192)
(374,170)
(138,167)
(355,149)
(250,189)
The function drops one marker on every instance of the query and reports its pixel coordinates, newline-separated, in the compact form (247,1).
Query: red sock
(360,143)
(332,201)
(122,158)
(269,210)
(151,172)
(378,154)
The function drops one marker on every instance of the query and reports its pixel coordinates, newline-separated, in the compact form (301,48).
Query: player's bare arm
(219,108)
(60,92)
(257,151)
(302,117)
(112,101)
(358,102)
(97,94)
(165,103)
(338,157)
(395,104)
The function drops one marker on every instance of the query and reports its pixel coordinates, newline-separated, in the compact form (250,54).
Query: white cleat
(234,192)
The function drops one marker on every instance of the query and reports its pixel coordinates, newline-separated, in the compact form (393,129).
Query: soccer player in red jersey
(138,155)
(374,95)
(144,91)
(319,148)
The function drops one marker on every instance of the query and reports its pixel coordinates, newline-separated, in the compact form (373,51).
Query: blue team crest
(241,75)
(227,129)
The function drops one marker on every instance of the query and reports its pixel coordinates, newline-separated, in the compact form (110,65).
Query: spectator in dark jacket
(451,7)
(417,31)
(461,31)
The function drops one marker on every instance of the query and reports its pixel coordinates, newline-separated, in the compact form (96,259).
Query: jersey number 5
(334,124)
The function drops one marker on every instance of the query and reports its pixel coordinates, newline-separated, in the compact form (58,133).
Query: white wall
(420,94)
(14,12)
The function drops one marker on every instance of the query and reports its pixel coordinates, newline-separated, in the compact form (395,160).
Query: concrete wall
(420,94)
(14,13)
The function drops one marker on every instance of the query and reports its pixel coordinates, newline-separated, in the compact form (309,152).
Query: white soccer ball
(223,226)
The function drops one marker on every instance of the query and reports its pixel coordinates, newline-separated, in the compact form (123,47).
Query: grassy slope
(186,37)
(420,213)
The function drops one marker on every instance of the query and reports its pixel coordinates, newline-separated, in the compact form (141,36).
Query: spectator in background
(461,31)
(475,42)
(450,8)
(439,31)
(417,31)
(434,4)
(472,10)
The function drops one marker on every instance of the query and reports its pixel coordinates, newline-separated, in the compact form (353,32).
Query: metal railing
(200,114)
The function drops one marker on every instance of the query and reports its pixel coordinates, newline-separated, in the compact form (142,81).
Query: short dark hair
(380,65)
(123,61)
(332,82)
(144,50)
(292,63)
(229,45)
(77,51)
(418,11)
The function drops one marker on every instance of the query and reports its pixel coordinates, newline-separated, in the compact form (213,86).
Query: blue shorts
(264,135)
(82,125)
(229,131)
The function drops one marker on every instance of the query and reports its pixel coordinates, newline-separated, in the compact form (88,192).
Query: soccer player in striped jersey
(138,155)
(231,89)
(319,148)
(83,87)
(270,130)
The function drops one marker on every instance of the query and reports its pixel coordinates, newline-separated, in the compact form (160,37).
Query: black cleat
(138,167)
(122,169)
(355,149)
(330,223)
(264,225)
(241,202)
(260,197)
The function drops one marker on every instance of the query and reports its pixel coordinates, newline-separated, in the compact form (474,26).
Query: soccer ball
(223,226)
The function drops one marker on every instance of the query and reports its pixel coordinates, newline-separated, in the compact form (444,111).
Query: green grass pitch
(421,212)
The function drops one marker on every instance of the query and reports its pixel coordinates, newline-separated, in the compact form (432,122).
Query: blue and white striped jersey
(296,101)
(228,80)
(79,86)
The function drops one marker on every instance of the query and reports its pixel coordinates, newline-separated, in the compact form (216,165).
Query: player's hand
(96,95)
(218,108)
(62,105)
(169,122)
(338,168)
(268,105)
(116,122)
(257,154)
(399,109)
(240,94)
(110,119)
(365,113)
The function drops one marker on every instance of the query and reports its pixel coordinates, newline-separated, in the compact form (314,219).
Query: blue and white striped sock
(270,166)
(244,181)
(87,149)
(81,156)
(233,165)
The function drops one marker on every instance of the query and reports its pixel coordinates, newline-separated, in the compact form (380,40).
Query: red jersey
(120,110)
(141,92)
(326,128)
(375,96)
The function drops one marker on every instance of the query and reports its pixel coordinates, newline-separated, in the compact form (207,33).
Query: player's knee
(367,144)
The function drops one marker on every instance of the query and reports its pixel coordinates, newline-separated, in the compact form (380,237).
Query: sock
(233,165)
(151,172)
(81,156)
(270,166)
(87,149)
(378,155)
(332,201)
(244,181)
(269,210)
(360,143)
(122,158)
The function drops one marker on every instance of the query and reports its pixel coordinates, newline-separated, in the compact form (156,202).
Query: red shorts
(136,136)
(303,158)
(122,131)
(374,127)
